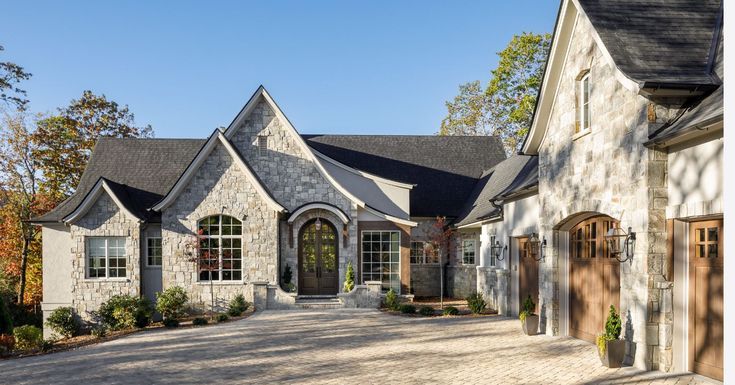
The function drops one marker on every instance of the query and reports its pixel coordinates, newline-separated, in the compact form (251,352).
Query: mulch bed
(435,302)
(87,339)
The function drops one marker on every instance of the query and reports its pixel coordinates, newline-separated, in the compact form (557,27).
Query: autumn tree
(505,109)
(11,75)
(65,141)
(439,240)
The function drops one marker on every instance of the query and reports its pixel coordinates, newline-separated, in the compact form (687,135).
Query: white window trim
(107,259)
(493,260)
(423,257)
(362,253)
(147,250)
(581,98)
(219,279)
(474,252)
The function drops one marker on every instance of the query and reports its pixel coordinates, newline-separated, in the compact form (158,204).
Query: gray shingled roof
(511,175)
(444,169)
(658,41)
(144,169)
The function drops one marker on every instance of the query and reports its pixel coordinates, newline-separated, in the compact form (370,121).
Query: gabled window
(583,103)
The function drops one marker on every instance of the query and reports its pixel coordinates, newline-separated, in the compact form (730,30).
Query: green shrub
(222,317)
(28,337)
(613,327)
(408,309)
(7,343)
(170,322)
(46,345)
(476,303)
(527,309)
(63,321)
(237,306)
(199,321)
(287,275)
(99,331)
(450,310)
(125,312)
(391,300)
(6,322)
(172,302)
(426,311)
(349,278)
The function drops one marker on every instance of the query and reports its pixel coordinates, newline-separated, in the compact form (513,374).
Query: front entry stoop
(318,302)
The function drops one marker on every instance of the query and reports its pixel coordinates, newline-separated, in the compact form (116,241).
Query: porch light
(620,243)
(498,251)
(536,247)
(318,223)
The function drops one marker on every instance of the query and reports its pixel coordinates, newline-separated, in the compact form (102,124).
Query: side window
(583,118)
(468,252)
(154,251)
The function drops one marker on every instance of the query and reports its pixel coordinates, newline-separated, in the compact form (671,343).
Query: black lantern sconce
(620,244)
(499,251)
(536,247)
(318,223)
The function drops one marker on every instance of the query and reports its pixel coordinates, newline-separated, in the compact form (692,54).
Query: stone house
(627,136)
(258,198)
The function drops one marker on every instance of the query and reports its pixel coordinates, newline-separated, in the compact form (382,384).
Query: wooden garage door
(527,275)
(594,278)
(706,262)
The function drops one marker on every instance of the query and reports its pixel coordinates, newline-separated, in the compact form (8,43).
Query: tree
(439,242)
(505,108)
(10,75)
(206,260)
(65,141)
(349,278)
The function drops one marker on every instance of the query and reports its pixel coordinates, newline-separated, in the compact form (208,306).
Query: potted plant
(529,320)
(610,347)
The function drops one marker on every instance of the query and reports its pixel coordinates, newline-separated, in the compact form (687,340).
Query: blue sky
(370,67)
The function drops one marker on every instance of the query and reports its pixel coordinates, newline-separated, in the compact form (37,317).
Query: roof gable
(113,190)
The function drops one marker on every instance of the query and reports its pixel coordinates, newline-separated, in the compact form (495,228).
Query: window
(493,261)
(468,252)
(583,103)
(106,257)
(262,145)
(220,248)
(154,251)
(381,258)
(419,254)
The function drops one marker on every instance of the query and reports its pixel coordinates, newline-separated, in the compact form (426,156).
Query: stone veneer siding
(219,187)
(609,172)
(104,219)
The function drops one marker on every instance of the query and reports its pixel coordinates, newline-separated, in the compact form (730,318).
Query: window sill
(106,280)
(221,283)
(581,134)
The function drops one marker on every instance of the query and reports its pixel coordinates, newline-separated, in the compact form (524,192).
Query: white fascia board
(390,217)
(91,198)
(471,225)
(363,173)
(252,102)
(319,206)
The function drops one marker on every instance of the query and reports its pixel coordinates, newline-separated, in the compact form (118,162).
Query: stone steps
(318,303)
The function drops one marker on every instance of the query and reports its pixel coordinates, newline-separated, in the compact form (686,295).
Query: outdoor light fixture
(536,247)
(619,242)
(498,250)
(318,223)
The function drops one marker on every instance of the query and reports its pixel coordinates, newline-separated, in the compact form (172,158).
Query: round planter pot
(530,325)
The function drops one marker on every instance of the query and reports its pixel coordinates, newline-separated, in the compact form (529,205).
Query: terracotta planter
(614,353)
(530,325)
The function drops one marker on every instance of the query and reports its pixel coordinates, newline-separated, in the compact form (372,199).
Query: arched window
(220,248)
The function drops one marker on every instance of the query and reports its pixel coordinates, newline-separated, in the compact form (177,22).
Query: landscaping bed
(432,307)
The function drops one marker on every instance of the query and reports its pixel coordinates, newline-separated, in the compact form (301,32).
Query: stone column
(502,277)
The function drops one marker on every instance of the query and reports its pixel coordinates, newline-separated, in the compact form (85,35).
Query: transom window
(154,251)
(588,238)
(583,104)
(106,257)
(381,253)
(419,254)
(220,248)
(468,251)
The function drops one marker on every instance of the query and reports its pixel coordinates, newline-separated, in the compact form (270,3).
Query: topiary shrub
(170,323)
(237,306)
(171,303)
(6,322)
(222,317)
(199,321)
(349,278)
(287,276)
(391,300)
(408,309)
(527,309)
(28,337)
(63,321)
(124,312)
(476,303)
(613,327)
(450,310)
(426,311)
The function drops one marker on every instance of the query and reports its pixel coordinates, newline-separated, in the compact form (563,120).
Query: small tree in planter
(287,277)
(610,347)
(349,278)
(529,320)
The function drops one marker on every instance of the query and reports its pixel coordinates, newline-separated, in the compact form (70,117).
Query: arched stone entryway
(318,258)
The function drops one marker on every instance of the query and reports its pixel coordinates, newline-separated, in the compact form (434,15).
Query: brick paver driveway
(340,347)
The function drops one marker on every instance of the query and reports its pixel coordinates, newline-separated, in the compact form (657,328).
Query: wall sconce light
(499,251)
(536,247)
(318,223)
(620,243)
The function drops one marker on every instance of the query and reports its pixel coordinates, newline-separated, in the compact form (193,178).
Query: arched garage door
(594,278)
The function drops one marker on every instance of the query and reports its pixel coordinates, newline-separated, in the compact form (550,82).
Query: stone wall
(104,219)
(493,283)
(219,187)
(425,280)
(607,171)
(461,280)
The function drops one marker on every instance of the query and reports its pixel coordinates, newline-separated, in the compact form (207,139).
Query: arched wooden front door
(318,272)
(594,278)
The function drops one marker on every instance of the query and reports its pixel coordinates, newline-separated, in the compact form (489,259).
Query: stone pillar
(260,295)
(503,291)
